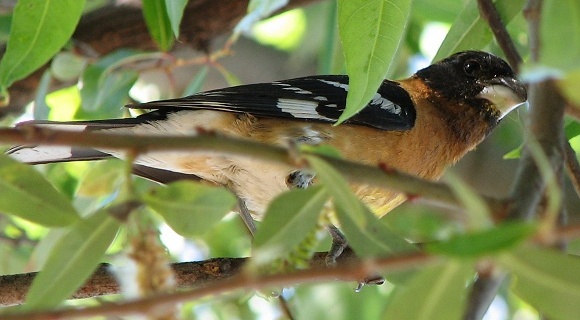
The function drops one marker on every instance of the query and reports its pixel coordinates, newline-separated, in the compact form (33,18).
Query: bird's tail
(39,154)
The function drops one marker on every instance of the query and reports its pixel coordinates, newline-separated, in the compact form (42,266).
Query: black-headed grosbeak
(419,125)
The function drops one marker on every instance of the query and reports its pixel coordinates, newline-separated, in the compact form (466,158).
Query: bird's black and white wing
(316,98)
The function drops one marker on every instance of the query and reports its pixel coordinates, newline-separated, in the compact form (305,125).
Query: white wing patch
(300,108)
(336,84)
(297,90)
(385,104)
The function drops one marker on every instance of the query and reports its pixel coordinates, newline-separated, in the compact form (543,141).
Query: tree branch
(212,142)
(489,12)
(351,271)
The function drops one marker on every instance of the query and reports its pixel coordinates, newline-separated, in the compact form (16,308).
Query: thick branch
(351,271)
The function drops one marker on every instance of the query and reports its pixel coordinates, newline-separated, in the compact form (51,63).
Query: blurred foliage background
(298,42)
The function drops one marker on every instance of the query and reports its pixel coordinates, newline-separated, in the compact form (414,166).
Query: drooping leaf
(72,260)
(364,231)
(40,107)
(158,23)
(479,243)
(39,30)
(469,31)
(290,218)
(26,194)
(190,208)
(175,13)
(436,292)
(476,209)
(371,32)
(546,279)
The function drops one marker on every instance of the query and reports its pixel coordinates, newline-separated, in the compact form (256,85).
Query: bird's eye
(471,67)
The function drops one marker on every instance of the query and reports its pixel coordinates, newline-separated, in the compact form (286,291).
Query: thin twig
(532,12)
(347,272)
(489,12)
(212,142)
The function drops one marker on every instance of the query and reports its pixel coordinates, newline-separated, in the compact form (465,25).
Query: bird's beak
(506,93)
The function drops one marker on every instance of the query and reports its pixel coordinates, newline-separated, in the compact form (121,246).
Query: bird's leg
(339,243)
(246,217)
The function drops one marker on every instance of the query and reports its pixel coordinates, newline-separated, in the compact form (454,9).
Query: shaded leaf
(469,31)
(26,194)
(436,292)
(548,280)
(158,23)
(39,30)
(41,110)
(175,13)
(484,242)
(371,32)
(72,260)
(289,219)
(324,150)
(258,9)
(190,208)
(478,213)
(569,86)
(364,231)
(67,66)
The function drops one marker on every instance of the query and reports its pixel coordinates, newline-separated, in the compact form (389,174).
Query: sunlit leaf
(26,194)
(324,150)
(158,23)
(548,280)
(72,260)
(371,32)
(39,30)
(364,231)
(175,13)
(290,218)
(190,208)
(436,292)
(469,31)
(479,243)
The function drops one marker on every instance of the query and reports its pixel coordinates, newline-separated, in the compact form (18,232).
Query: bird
(419,125)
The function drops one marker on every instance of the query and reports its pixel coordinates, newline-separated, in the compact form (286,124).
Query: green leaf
(157,21)
(436,292)
(196,84)
(480,243)
(41,109)
(103,88)
(560,17)
(569,86)
(190,208)
(39,30)
(72,260)
(548,280)
(101,179)
(324,150)
(476,209)
(514,154)
(26,194)
(371,32)
(67,66)
(175,13)
(290,218)
(364,231)
(469,31)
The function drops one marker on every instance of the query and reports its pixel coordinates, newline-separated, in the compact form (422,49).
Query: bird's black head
(478,78)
